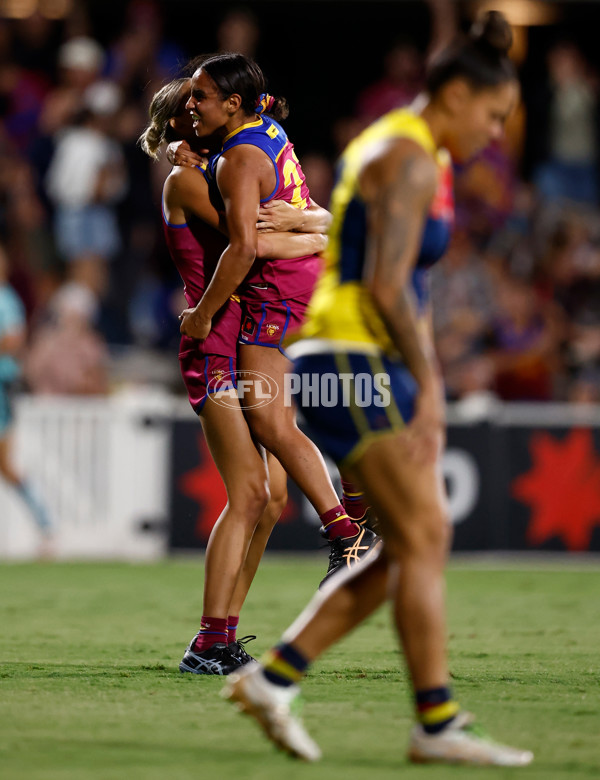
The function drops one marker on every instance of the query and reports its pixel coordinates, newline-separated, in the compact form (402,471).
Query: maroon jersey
(195,249)
(274,279)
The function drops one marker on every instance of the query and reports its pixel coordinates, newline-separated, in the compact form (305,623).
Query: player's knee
(259,494)
(269,429)
(278,501)
(250,497)
(431,538)
(425,534)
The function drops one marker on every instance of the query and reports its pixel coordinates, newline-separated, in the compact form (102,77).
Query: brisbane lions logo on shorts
(271,329)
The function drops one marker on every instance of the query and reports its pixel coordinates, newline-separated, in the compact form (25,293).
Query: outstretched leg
(274,425)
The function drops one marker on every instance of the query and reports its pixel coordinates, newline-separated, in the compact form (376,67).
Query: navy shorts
(349,400)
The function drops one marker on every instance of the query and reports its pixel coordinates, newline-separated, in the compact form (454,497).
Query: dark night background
(319,54)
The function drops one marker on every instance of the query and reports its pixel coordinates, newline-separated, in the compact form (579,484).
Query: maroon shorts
(206,374)
(269,323)
(209,366)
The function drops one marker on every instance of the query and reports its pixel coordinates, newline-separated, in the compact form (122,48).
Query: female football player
(392,216)
(208,367)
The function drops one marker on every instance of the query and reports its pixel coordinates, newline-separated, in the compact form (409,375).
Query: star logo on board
(203,484)
(562,488)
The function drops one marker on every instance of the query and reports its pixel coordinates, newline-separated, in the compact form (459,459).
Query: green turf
(89,686)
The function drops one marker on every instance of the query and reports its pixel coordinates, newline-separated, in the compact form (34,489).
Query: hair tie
(265,103)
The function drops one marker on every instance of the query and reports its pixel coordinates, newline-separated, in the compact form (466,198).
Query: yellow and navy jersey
(341,309)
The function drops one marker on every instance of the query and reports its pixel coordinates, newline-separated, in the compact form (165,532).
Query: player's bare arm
(289,245)
(398,184)
(186,193)
(240,174)
(278,215)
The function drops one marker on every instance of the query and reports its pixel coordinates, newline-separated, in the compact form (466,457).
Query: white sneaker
(275,707)
(458,744)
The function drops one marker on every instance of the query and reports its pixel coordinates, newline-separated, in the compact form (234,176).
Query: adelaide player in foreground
(392,214)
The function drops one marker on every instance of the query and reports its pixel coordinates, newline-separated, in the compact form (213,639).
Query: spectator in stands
(319,174)
(401,82)
(80,62)
(85,181)
(571,274)
(485,192)
(143,56)
(27,233)
(462,292)
(35,40)
(585,388)
(47,66)
(67,355)
(22,93)
(565,129)
(12,341)
(239,32)
(526,337)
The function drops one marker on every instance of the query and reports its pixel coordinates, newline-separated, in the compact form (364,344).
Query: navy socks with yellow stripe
(284,665)
(435,709)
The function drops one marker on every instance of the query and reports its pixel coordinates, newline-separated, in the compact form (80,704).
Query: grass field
(89,686)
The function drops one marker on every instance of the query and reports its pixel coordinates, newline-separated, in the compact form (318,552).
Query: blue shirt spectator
(12,318)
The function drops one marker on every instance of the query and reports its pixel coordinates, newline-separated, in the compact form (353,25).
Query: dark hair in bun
(491,29)
(480,57)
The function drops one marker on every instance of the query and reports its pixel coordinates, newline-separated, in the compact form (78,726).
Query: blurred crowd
(516,302)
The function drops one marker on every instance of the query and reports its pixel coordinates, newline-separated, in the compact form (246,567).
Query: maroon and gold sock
(232,624)
(353,500)
(212,630)
(337,523)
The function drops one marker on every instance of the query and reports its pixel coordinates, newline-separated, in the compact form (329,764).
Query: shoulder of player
(182,182)
(243,151)
(183,177)
(243,158)
(403,160)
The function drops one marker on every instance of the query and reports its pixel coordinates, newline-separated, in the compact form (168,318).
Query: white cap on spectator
(75,298)
(103,98)
(81,53)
